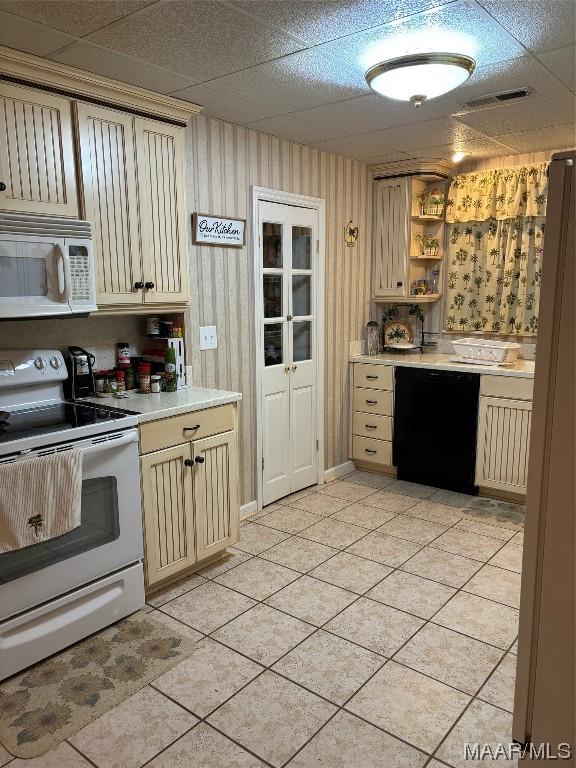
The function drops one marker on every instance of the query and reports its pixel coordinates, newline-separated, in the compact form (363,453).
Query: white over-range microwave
(46,266)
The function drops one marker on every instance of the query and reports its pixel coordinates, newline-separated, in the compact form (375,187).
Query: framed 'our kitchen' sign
(208,229)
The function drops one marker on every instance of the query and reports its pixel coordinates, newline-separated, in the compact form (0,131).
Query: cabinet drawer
(373,375)
(368,425)
(156,435)
(373,401)
(512,387)
(368,449)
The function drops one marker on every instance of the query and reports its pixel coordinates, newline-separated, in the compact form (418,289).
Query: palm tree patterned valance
(495,241)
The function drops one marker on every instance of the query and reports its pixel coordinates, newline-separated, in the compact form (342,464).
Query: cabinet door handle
(187,462)
(369,450)
(148,285)
(370,426)
(199,459)
(191,429)
(2,186)
(294,367)
(371,377)
(371,402)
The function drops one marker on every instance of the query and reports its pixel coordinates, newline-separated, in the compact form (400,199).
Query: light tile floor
(364,624)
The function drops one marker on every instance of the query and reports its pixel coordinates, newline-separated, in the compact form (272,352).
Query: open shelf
(418,257)
(420,217)
(426,299)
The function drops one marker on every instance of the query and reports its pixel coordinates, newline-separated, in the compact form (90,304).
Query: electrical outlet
(208,338)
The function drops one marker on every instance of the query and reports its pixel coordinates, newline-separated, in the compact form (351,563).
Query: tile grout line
(322,627)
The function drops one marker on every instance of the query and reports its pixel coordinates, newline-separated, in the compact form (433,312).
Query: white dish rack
(487,351)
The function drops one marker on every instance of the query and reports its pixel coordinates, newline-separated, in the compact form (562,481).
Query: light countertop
(522,368)
(164,404)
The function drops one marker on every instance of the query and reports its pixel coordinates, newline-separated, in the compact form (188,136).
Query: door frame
(264,194)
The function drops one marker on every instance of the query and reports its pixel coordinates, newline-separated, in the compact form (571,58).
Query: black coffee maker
(80,381)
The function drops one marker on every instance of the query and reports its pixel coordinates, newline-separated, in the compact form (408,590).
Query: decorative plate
(397,332)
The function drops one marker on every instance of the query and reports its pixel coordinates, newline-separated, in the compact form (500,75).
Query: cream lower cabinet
(190,497)
(503,443)
(372,413)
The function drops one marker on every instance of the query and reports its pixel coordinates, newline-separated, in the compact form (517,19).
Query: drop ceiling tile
(540,25)
(554,137)
(108,63)
(75,16)
(304,79)
(562,63)
(30,37)
(319,21)
(291,127)
(458,26)
(530,113)
(525,71)
(363,114)
(203,39)
(225,106)
(361,146)
(478,148)
(411,137)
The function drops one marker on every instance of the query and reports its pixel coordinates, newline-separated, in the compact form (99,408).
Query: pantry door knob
(139,286)
(148,285)
(199,459)
(187,462)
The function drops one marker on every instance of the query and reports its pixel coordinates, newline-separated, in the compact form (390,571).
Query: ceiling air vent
(494,99)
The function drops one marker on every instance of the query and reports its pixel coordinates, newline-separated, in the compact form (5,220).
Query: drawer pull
(370,426)
(372,378)
(369,450)
(191,429)
(371,402)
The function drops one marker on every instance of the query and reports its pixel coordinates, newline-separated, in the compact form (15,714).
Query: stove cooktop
(58,417)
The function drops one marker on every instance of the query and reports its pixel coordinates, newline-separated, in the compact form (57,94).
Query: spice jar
(120,375)
(129,378)
(99,384)
(153,326)
(170,377)
(123,353)
(144,377)
(155,383)
(112,384)
(106,383)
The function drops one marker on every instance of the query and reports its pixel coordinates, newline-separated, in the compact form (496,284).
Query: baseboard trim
(249,509)
(341,469)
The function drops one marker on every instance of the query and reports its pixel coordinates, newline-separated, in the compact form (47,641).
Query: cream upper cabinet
(215,494)
(110,193)
(168,510)
(391,243)
(160,170)
(503,443)
(37,161)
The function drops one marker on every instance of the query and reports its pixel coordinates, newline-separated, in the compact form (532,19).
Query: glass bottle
(372,338)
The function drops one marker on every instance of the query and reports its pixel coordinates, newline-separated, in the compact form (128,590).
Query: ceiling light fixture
(457,156)
(418,77)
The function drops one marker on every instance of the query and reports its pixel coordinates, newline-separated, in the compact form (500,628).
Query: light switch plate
(208,338)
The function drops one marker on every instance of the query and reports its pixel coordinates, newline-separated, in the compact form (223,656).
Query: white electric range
(56,592)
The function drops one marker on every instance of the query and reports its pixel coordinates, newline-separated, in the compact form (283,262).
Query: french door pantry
(288,303)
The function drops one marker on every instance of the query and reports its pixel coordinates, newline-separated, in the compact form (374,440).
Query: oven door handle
(128,437)
(64,285)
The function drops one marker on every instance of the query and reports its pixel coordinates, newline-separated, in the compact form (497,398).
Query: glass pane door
(301,294)
(273,294)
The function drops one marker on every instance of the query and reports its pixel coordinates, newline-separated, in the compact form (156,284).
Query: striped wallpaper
(223,162)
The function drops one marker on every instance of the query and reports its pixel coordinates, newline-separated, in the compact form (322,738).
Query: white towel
(40,499)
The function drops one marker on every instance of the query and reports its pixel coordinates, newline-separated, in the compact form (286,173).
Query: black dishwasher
(435,422)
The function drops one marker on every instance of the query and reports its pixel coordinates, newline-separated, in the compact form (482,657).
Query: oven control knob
(39,363)
(55,362)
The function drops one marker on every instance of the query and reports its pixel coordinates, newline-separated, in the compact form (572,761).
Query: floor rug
(55,698)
